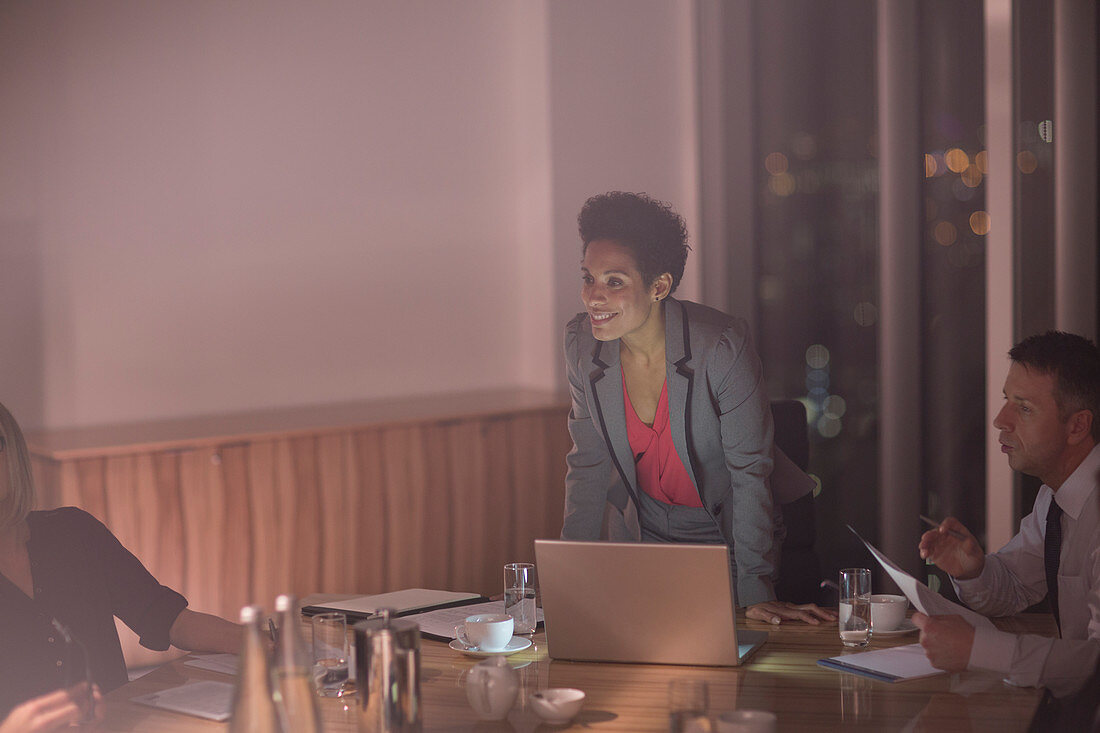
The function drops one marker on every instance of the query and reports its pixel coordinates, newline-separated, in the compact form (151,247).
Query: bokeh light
(865,314)
(817,357)
(979,223)
(828,427)
(957,161)
(945,233)
(982,161)
(776,163)
(930,166)
(782,184)
(1046,131)
(1026,161)
(834,406)
(972,177)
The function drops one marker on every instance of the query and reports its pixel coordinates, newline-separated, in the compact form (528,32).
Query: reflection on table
(782,677)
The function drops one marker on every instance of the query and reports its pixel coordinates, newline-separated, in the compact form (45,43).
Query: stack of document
(403,603)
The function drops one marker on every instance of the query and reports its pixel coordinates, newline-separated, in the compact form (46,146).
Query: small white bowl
(558,705)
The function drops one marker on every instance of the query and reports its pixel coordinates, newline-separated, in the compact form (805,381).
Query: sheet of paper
(224,663)
(920,595)
(897,663)
(442,623)
(400,600)
(205,699)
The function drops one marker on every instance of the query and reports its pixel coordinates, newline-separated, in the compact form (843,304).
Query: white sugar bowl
(557,705)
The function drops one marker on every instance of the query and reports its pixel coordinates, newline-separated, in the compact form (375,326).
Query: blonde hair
(19,499)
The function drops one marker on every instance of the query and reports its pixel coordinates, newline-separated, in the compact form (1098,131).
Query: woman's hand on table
(776,612)
(53,711)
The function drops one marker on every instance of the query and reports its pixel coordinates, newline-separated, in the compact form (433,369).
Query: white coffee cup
(489,632)
(887,611)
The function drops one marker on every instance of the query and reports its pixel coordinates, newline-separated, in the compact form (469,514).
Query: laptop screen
(640,602)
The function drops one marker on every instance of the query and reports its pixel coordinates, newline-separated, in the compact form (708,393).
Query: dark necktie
(1052,550)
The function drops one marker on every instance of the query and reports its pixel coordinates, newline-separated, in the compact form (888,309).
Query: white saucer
(905,627)
(517,644)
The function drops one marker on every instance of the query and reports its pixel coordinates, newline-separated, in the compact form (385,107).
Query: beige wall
(210,206)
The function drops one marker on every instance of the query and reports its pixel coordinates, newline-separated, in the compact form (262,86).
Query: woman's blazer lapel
(605,378)
(680,374)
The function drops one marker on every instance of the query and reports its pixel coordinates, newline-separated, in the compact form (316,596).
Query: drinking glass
(687,705)
(855,606)
(519,595)
(330,654)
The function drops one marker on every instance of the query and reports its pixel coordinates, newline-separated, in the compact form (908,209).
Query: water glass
(855,606)
(519,595)
(687,706)
(330,654)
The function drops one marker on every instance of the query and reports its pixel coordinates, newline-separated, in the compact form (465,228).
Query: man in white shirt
(1049,428)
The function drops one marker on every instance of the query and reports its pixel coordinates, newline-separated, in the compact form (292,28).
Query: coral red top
(661,473)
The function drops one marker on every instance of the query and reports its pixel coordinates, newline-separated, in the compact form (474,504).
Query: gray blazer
(721,425)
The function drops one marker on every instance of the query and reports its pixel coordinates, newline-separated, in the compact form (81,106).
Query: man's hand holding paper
(946,640)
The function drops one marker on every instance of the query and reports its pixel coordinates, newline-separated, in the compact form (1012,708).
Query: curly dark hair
(650,229)
(1075,363)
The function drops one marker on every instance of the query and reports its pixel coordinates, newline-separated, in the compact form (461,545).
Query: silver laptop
(641,602)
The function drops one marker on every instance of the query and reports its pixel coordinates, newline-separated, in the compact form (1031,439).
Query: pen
(272,630)
(934,523)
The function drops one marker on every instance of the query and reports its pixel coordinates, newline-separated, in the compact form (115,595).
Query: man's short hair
(1075,363)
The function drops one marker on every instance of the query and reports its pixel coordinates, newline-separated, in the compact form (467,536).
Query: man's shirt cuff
(992,650)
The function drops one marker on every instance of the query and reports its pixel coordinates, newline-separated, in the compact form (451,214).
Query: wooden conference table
(782,677)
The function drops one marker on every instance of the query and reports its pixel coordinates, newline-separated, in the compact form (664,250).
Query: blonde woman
(63,579)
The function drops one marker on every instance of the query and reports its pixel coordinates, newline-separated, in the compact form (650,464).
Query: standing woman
(670,421)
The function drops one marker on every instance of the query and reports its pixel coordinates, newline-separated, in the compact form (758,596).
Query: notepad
(896,664)
(403,603)
(206,699)
(223,663)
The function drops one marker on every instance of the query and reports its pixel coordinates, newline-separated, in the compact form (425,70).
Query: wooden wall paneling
(46,475)
(163,534)
(306,573)
(368,483)
(270,570)
(286,503)
(69,493)
(496,504)
(559,446)
(439,498)
(528,449)
(204,531)
(238,544)
(136,518)
(556,443)
(466,487)
(403,456)
(348,558)
(91,493)
(337,531)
